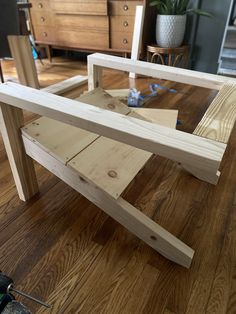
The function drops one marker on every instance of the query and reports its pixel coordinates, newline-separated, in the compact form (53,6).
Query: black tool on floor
(6,290)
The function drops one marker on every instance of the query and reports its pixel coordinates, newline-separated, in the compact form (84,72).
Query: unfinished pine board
(120,210)
(137,35)
(99,98)
(98,61)
(163,116)
(60,140)
(95,76)
(11,119)
(110,165)
(119,93)
(218,121)
(66,85)
(179,146)
(24,62)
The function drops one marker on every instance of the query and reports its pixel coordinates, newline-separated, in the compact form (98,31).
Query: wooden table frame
(201,156)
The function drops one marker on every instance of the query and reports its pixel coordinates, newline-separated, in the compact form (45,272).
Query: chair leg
(11,120)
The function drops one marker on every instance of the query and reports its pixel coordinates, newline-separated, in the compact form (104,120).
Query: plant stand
(168,56)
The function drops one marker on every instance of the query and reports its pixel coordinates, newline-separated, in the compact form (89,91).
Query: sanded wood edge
(195,78)
(66,85)
(11,119)
(120,210)
(219,119)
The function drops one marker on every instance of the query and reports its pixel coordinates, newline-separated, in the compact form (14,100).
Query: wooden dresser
(89,25)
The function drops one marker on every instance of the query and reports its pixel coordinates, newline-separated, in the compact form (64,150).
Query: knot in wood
(112,174)
(111,106)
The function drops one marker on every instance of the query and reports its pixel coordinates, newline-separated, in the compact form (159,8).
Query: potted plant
(171,21)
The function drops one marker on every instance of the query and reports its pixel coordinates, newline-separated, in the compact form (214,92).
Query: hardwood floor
(61,248)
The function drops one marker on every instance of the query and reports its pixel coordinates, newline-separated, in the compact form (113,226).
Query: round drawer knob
(125,41)
(45,34)
(125,24)
(42,19)
(125,7)
(40,5)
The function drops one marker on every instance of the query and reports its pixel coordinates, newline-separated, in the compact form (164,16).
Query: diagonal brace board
(179,146)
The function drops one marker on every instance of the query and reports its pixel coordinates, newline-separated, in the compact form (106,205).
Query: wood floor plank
(94,291)
(129,289)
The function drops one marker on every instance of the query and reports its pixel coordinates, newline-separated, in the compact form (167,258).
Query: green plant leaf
(176,7)
(199,12)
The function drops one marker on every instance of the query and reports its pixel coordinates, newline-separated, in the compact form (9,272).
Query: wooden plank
(120,210)
(60,140)
(95,76)
(137,35)
(218,121)
(164,117)
(100,98)
(154,70)
(188,149)
(66,85)
(11,119)
(109,164)
(24,62)
(64,141)
(121,93)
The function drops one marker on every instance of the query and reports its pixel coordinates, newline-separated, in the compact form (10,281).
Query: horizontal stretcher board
(106,163)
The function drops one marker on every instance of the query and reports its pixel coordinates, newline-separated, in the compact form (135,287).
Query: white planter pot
(170,30)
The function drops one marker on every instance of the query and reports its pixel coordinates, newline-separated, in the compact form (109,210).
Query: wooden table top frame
(201,156)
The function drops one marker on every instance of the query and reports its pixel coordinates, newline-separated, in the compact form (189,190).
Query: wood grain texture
(219,119)
(100,98)
(161,116)
(58,139)
(22,55)
(11,120)
(108,164)
(61,232)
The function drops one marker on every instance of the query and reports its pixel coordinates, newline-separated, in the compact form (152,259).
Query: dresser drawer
(85,22)
(122,24)
(83,39)
(89,7)
(40,5)
(124,8)
(44,34)
(42,18)
(121,40)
